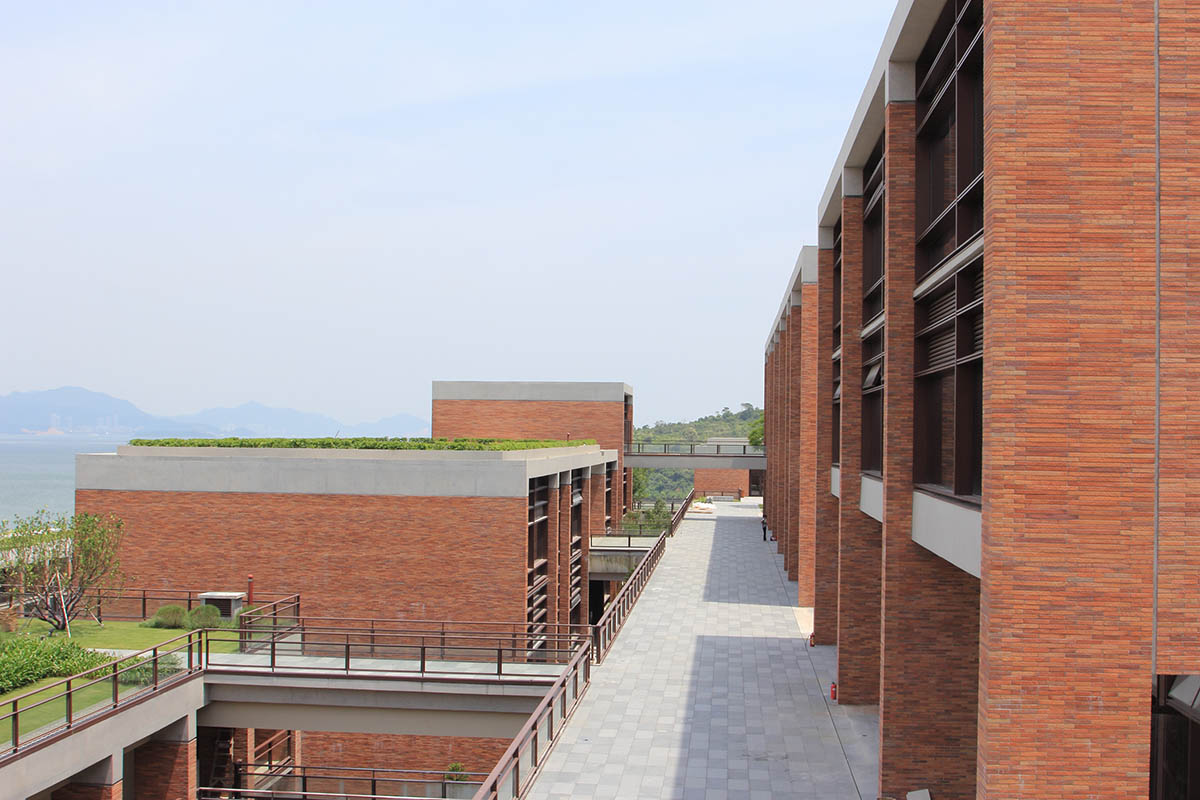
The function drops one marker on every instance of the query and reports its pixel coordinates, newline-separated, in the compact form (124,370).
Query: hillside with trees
(674,484)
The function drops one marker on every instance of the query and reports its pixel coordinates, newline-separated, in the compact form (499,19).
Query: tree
(639,483)
(756,430)
(61,561)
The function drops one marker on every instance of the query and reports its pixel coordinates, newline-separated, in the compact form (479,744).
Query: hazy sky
(329,205)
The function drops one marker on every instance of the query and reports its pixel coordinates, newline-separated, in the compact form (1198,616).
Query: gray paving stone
(710,691)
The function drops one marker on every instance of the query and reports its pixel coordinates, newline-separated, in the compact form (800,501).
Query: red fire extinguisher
(812,640)
(833,691)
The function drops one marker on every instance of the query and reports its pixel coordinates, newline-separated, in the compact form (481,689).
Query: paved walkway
(710,690)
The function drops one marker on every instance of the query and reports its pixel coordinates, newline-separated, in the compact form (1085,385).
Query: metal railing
(524,757)
(125,603)
(300,781)
(721,493)
(693,449)
(622,538)
(387,647)
(212,793)
(48,710)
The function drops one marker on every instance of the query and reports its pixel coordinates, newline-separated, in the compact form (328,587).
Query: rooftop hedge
(367,443)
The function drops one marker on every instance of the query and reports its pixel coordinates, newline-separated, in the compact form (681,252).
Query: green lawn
(112,635)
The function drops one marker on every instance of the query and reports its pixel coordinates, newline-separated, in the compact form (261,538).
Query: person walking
(764,522)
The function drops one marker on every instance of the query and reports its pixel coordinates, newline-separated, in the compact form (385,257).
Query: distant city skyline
(329,207)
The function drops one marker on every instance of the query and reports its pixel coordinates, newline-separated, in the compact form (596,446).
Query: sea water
(38,472)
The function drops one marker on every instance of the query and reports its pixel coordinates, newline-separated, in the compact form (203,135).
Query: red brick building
(540,410)
(468,536)
(978,402)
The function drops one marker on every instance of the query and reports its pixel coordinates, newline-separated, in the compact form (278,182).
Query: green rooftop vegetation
(362,443)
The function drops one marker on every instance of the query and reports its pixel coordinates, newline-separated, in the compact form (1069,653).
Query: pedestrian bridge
(695,455)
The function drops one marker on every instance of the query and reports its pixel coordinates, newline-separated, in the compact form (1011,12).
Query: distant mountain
(72,409)
(255,419)
(397,425)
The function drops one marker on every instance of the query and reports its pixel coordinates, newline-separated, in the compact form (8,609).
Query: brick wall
(1069,357)
(793,422)
(88,791)
(1179,509)
(929,659)
(395,751)
(860,537)
(603,421)
(165,771)
(707,481)
(818,452)
(348,555)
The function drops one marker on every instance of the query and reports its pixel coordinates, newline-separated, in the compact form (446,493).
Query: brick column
(806,456)
(564,547)
(553,616)
(859,548)
(165,771)
(768,433)
(88,791)
(781,381)
(795,418)
(1069,501)
(596,529)
(929,658)
(818,398)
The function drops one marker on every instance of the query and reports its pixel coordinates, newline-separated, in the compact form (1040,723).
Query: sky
(327,206)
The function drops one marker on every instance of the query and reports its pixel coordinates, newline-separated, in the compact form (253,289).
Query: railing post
(272,653)
(499,660)
(154,669)
(69,699)
(373,646)
(116,693)
(347,652)
(422,658)
(143,603)
(16,724)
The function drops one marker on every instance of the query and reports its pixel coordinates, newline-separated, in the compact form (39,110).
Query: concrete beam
(684,461)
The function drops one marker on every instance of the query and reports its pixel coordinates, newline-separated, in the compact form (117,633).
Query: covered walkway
(710,690)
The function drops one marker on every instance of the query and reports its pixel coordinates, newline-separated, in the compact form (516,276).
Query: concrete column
(806,455)
(781,380)
(860,542)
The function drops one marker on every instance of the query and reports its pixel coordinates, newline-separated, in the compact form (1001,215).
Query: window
(948,401)
(950,134)
(872,403)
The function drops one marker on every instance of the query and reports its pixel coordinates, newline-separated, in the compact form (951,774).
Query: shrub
(170,616)
(25,659)
(204,616)
(141,672)
(456,772)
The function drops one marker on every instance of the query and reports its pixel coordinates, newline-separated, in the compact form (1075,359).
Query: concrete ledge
(402,473)
(949,530)
(572,391)
(687,461)
(870,501)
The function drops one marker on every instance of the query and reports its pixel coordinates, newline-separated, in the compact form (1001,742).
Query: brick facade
(165,771)
(793,421)
(88,791)
(347,555)
(709,481)
(1068,472)
(818,452)
(1179,499)
(860,537)
(394,751)
(929,660)
(603,421)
